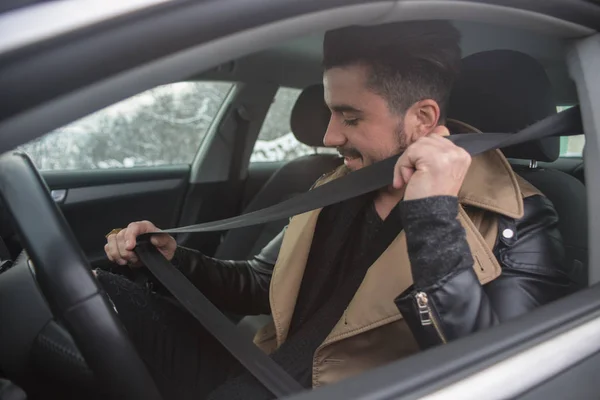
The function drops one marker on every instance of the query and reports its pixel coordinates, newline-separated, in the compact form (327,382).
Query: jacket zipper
(427,316)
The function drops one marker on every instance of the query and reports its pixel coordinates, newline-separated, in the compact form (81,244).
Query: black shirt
(341,253)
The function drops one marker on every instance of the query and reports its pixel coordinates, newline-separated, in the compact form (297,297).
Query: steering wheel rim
(65,279)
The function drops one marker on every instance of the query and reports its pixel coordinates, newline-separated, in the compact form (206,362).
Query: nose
(334,136)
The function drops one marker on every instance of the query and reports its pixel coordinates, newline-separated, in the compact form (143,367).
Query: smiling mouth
(350,160)
(349,155)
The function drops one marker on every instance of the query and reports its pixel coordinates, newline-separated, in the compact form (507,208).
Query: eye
(350,121)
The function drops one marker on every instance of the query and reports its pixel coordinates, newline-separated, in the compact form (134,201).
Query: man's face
(362,126)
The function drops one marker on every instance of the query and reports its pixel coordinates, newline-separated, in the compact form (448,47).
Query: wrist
(435,238)
(441,206)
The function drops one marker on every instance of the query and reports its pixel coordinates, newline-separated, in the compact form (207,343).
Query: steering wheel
(65,279)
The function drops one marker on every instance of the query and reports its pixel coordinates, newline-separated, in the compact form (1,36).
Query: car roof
(107,61)
(297,63)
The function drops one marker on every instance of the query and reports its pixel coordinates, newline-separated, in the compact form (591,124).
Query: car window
(571,146)
(162,126)
(276,142)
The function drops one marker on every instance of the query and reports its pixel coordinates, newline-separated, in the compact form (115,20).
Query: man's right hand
(119,246)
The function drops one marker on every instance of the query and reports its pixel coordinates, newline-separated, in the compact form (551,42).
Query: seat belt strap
(269,373)
(365,180)
(380,174)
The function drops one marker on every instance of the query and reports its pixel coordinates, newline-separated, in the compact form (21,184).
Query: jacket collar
(490,184)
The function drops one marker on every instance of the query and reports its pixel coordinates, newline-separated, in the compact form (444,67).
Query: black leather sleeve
(447,301)
(239,287)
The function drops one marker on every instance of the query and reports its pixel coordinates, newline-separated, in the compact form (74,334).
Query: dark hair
(408,61)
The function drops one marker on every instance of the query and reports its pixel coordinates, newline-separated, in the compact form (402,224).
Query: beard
(402,141)
(402,144)
(352,153)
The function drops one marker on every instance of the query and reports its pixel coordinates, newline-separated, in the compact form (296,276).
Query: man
(378,277)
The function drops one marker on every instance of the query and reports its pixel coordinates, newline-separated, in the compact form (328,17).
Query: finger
(403,170)
(160,240)
(124,254)
(113,250)
(436,141)
(398,180)
(441,130)
(448,149)
(131,233)
(107,251)
(407,173)
(134,230)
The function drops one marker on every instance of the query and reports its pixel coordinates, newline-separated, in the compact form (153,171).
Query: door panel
(94,202)
(578,382)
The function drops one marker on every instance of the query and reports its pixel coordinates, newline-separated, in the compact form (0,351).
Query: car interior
(511,78)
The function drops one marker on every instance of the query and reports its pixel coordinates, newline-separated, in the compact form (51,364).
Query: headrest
(310,116)
(505,91)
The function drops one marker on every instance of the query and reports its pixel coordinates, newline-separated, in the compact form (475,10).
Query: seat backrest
(505,91)
(309,120)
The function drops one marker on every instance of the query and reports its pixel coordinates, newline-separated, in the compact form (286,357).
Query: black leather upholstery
(505,91)
(309,121)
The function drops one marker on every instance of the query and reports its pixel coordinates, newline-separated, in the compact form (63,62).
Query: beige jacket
(372,331)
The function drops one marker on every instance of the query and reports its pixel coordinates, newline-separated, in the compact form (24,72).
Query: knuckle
(462,154)
(147,224)
(425,140)
(446,157)
(133,224)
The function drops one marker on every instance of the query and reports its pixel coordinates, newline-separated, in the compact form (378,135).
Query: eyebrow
(340,108)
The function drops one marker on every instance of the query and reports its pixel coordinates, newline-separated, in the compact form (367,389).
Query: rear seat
(309,120)
(505,91)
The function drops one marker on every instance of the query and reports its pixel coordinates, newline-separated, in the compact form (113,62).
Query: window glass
(161,126)
(276,142)
(571,146)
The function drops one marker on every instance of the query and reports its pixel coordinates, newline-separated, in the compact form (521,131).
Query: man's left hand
(431,166)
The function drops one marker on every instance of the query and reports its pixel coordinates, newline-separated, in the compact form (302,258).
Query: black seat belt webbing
(360,182)
(271,375)
(380,174)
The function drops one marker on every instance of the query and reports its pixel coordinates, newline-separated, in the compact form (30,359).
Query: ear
(425,115)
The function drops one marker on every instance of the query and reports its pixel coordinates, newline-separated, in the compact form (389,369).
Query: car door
(130,161)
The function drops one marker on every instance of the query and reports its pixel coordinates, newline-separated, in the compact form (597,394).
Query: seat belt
(362,181)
